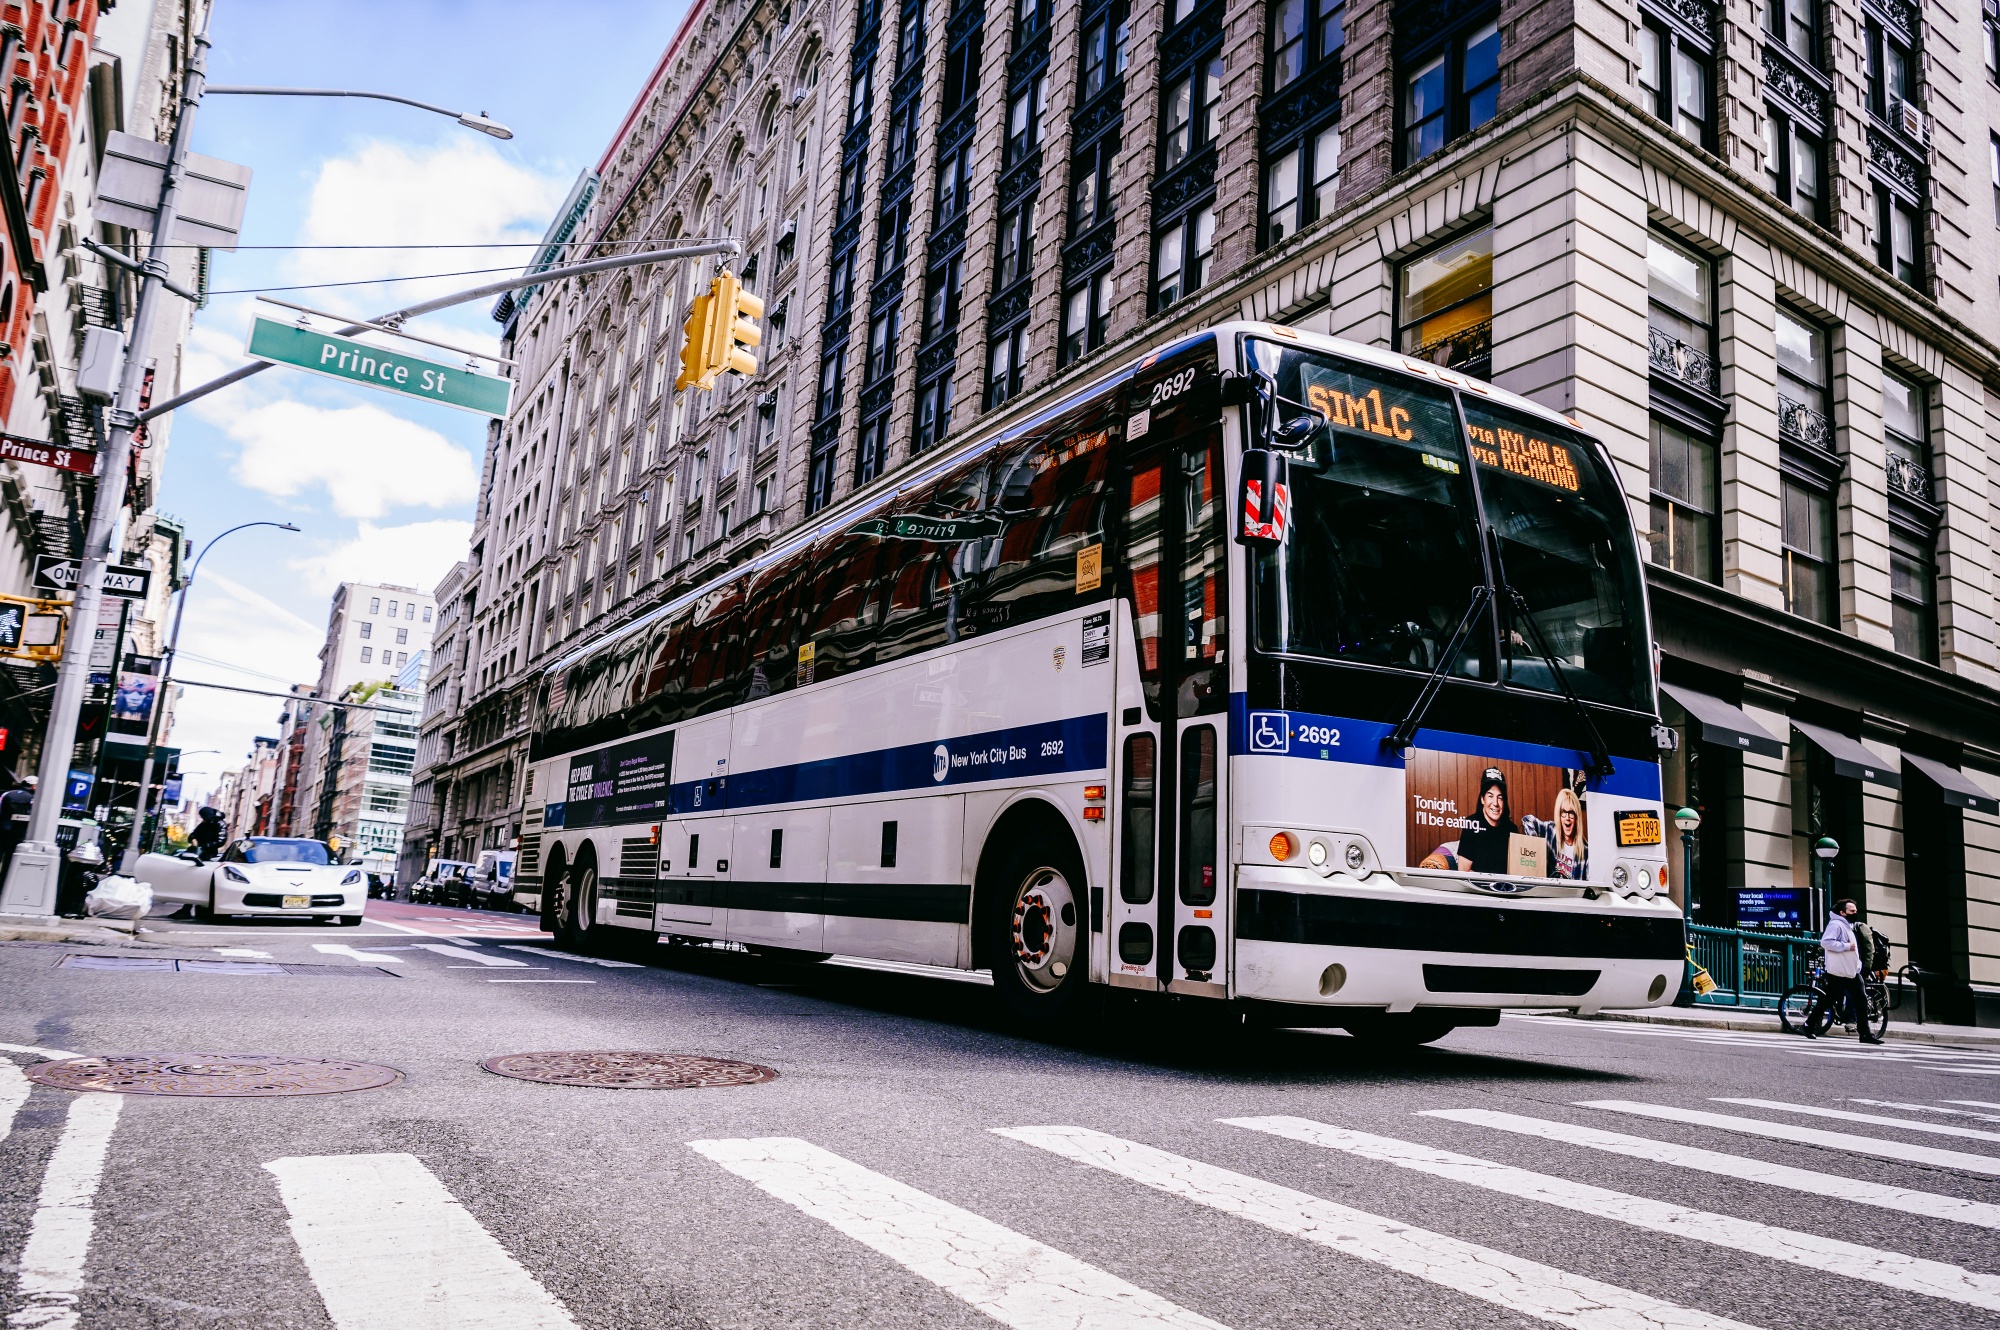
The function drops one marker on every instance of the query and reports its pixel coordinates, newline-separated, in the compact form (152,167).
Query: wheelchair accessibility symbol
(1270,732)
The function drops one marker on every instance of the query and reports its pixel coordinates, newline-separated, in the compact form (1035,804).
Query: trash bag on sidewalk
(119,897)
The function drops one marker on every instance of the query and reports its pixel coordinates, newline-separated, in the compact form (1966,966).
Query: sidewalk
(1766,1022)
(85,932)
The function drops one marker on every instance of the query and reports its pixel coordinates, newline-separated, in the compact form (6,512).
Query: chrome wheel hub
(1045,919)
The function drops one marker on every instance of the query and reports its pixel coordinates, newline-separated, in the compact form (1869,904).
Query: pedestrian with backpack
(1842,949)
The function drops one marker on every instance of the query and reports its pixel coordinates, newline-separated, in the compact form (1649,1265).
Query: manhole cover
(213,1075)
(628,1071)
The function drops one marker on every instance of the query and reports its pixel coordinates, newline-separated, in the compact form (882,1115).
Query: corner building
(1741,242)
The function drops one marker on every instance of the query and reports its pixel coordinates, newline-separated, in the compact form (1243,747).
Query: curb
(96,935)
(1909,1034)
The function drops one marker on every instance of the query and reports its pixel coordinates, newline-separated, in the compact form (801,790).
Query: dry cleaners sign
(358,362)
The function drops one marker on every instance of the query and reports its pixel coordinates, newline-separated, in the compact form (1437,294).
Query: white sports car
(260,875)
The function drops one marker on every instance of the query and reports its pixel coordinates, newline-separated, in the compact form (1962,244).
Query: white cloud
(462,191)
(261,642)
(367,460)
(416,554)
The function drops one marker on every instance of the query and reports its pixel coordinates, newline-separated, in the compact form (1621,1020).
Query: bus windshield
(1382,556)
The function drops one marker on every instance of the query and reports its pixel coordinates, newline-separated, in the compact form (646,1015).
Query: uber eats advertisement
(1471,814)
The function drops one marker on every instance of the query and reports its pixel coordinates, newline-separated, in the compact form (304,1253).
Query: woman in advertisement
(1569,853)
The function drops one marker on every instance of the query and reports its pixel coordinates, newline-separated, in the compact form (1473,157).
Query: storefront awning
(1850,757)
(1959,789)
(1725,724)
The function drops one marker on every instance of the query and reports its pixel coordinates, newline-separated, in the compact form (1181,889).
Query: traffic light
(700,330)
(719,326)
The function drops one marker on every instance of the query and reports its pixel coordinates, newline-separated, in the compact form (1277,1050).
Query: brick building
(1739,241)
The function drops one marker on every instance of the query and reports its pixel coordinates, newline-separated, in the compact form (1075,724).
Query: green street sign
(358,362)
(938,530)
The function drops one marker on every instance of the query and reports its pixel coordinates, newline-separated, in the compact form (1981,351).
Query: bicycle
(1800,999)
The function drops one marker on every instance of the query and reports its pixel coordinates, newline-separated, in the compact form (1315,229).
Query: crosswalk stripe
(1010,1277)
(389,1248)
(400,928)
(1520,1285)
(1927,1204)
(572,956)
(1872,1119)
(1924,1108)
(477,957)
(59,1234)
(1785,1131)
(1935,1279)
(1973,1103)
(13,1094)
(52,1054)
(367,957)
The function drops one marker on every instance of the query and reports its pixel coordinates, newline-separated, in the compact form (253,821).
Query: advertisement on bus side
(1473,814)
(628,782)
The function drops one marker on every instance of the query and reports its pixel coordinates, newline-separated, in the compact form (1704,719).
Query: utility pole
(36,867)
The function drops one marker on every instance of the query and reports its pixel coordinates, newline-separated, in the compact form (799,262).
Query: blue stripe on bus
(1050,748)
(1308,735)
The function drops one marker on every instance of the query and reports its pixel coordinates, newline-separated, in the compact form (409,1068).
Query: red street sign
(83,461)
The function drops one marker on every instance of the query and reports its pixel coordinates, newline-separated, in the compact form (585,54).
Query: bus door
(695,843)
(1168,919)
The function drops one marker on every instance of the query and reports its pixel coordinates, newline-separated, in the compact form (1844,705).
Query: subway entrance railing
(1750,969)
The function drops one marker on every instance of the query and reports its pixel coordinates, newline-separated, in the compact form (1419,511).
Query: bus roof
(1034,413)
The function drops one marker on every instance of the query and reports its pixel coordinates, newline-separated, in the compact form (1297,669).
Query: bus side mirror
(1263,499)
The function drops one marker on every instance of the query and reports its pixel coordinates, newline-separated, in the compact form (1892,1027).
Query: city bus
(1267,669)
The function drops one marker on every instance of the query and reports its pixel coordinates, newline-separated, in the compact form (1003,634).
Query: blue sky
(382,486)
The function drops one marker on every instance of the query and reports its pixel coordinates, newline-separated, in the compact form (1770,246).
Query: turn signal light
(1283,847)
(1093,814)
(1093,792)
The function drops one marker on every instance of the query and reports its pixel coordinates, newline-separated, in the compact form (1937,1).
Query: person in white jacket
(1843,972)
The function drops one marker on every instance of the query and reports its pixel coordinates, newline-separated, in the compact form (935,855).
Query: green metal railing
(1750,969)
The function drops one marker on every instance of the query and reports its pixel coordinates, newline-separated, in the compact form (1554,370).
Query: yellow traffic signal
(700,329)
(735,309)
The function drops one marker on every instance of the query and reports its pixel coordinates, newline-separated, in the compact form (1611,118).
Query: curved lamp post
(1826,849)
(1688,820)
(466,118)
(137,839)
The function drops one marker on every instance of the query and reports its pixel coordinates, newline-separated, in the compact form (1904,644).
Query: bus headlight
(1621,878)
(1356,856)
(1646,884)
(1316,854)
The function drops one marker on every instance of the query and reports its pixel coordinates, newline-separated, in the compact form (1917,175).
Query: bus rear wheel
(576,920)
(1036,929)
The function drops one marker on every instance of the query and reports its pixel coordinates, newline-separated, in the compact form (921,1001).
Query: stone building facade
(1737,239)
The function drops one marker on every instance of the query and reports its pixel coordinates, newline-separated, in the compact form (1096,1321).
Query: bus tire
(581,914)
(1035,920)
(555,873)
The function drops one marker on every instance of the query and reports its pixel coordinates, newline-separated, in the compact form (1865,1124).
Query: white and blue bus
(1268,668)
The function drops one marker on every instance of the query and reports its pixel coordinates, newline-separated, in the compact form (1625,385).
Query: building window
(1913,594)
(892,239)
(1024,119)
(1086,310)
(375,605)
(1675,79)
(1190,117)
(1450,86)
(941,296)
(1017,242)
(1446,310)
(1896,235)
(1181,256)
(1802,380)
(1906,434)
(1006,359)
(883,333)
(1090,184)
(402,637)
(832,376)
(1993,157)
(1303,34)
(1300,184)
(961,72)
(1680,314)
(872,457)
(954,184)
(819,479)
(367,655)
(1106,50)
(1794,157)
(1808,551)
(1795,23)
(763,496)
(1685,500)
(933,414)
(367,628)
(1891,74)
(427,614)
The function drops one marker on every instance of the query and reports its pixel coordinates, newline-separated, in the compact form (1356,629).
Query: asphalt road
(871,1184)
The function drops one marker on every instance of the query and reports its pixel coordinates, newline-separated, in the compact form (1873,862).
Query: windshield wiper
(1404,734)
(1600,754)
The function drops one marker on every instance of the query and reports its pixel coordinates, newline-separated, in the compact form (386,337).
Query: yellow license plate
(297,902)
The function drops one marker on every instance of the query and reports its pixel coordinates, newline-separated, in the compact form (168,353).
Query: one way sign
(59,574)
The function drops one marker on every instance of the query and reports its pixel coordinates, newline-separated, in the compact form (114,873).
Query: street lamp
(1689,822)
(1825,849)
(466,118)
(136,839)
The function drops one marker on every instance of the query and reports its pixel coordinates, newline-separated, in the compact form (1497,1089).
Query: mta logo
(940,762)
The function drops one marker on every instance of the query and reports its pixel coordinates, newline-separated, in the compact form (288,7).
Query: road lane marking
(401,928)
(366,957)
(52,1054)
(1508,1281)
(1871,1119)
(245,951)
(1655,1151)
(13,1094)
(59,1235)
(1934,1279)
(571,956)
(479,958)
(1785,1131)
(389,1248)
(1012,1278)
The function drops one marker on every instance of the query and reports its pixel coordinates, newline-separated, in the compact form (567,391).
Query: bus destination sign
(1524,455)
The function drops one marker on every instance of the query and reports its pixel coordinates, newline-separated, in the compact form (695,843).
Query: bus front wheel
(1036,929)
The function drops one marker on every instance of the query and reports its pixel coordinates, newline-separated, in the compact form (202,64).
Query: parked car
(260,875)
(443,883)
(492,880)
